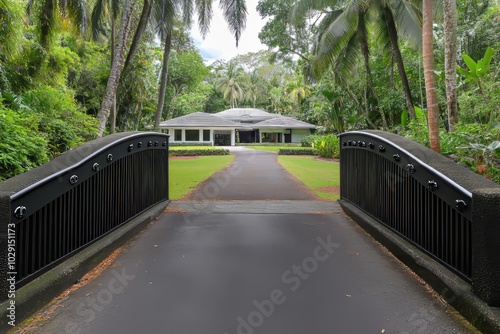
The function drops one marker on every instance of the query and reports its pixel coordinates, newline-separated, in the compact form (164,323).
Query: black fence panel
(428,199)
(65,205)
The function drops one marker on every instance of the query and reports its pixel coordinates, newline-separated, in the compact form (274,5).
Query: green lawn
(186,174)
(315,174)
(270,148)
(265,148)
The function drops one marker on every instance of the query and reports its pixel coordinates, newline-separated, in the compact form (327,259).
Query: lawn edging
(297,151)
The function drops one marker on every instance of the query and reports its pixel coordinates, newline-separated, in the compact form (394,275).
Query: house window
(177,135)
(192,135)
(206,135)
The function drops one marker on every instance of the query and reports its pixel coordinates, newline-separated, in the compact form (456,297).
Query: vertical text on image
(11,273)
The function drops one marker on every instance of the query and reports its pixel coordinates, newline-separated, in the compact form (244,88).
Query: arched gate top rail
(445,209)
(57,209)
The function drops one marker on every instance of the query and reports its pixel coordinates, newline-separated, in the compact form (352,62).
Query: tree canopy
(73,70)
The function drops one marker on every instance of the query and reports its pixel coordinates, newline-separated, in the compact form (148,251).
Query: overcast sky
(220,43)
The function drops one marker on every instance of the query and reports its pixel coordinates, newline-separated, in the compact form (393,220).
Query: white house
(243,125)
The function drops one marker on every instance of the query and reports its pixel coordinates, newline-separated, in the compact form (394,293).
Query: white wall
(298,134)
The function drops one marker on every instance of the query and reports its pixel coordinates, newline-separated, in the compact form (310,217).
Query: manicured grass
(314,173)
(173,148)
(186,174)
(273,148)
(265,148)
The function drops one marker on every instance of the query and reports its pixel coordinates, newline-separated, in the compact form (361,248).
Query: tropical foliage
(73,70)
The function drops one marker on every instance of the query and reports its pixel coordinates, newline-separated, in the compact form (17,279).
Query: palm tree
(103,11)
(10,28)
(254,87)
(229,84)
(164,16)
(450,60)
(343,34)
(298,90)
(234,12)
(116,66)
(276,99)
(399,17)
(430,86)
(139,32)
(48,12)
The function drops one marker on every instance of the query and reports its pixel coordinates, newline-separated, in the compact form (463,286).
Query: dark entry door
(222,140)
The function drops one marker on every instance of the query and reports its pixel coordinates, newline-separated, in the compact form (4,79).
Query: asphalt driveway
(253,251)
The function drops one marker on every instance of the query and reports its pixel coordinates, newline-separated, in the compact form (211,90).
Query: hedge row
(270,144)
(193,143)
(297,151)
(185,153)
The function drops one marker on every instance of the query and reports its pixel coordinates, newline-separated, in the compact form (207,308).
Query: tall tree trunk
(112,115)
(450,60)
(163,79)
(430,87)
(116,68)
(141,27)
(363,41)
(112,126)
(139,115)
(393,35)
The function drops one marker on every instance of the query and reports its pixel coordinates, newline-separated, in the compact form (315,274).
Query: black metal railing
(426,198)
(410,197)
(67,204)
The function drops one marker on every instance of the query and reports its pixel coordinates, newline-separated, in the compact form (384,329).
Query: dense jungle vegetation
(74,70)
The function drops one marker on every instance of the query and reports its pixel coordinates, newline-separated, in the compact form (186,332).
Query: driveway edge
(42,290)
(450,287)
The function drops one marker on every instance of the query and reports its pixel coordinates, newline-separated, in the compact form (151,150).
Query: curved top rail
(121,144)
(447,179)
(463,177)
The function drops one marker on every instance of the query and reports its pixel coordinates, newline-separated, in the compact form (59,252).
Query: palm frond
(338,33)
(96,19)
(78,13)
(347,61)
(235,12)
(163,14)
(323,25)
(381,30)
(303,7)
(408,20)
(47,18)
(187,11)
(205,13)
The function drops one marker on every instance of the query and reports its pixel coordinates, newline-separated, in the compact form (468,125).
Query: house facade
(236,125)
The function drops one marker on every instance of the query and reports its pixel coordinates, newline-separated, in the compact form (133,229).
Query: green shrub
(270,144)
(471,145)
(297,151)
(494,173)
(189,144)
(416,131)
(59,119)
(197,152)
(327,146)
(465,135)
(20,148)
(308,141)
